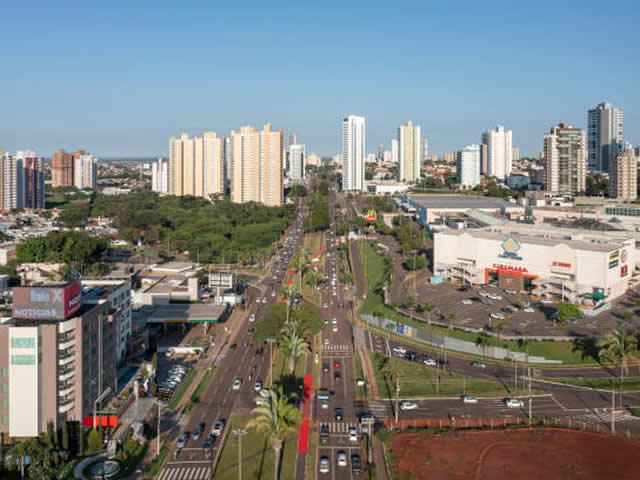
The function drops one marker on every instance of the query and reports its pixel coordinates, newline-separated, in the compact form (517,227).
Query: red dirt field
(514,454)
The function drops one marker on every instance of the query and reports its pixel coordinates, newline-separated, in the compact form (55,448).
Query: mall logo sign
(510,249)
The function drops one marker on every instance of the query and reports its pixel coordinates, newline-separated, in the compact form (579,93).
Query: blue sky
(119,78)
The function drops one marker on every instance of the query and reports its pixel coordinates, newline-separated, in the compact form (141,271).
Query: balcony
(66,389)
(66,359)
(67,343)
(66,374)
(66,405)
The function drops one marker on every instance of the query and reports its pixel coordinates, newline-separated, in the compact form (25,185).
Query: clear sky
(119,78)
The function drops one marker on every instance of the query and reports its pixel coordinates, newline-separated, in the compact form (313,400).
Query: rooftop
(459,201)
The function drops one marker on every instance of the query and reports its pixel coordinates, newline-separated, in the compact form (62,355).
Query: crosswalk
(336,348)
(379,408)
(599,417)
(185,473)
(341,427)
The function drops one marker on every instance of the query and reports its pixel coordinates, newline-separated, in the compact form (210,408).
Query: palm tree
(428,307)
(482,341)
(313,278)
(277,417)
(289,293)
(617,348)
(301,263)
(393,370)
(294,347)
(450,319)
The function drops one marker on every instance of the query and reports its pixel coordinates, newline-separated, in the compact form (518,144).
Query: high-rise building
(353,153)
(58,356)
(516,154)
(565,160)
(314,160)
(380,154)
(468,166)
(372,158)
(623,179)
(160,176)
(386,157)
(11,182)
(483,154)
(33,180)
(293,139)
(196,165)
(499,152)
(424,149)
(296,162)
(85,171)
(61,169)
(605,132)
(394,151)
(257,158)
(449,157)
(212,176)
(409,148)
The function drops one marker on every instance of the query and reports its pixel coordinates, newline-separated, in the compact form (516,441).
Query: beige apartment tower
(196,165)
(409,150)
(565,160)
(623,181)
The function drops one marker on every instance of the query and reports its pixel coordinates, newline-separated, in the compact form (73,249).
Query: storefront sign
(510,248)
(623,271)
(614,264)
(510,268)
(614,255)
(562,264)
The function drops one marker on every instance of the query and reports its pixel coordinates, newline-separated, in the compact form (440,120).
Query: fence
(502,422)
(451,343)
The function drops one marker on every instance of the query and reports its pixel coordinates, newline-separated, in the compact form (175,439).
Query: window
(5,372)
(23,359)
(24,342)
(5,403)
(5,419)
(5,388)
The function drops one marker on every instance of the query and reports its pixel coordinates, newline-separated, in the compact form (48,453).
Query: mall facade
(579,268)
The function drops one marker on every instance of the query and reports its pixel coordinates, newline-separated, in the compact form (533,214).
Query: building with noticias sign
(58,355)
(579,268)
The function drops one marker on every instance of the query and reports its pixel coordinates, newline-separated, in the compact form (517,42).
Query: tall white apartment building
(468,166)
(565,160)
(409,148)
(85,171)
(353,153)
(160,176)
(499,152)
(394,151)
(296,161)
(11,182)
(604,132)
(424,149)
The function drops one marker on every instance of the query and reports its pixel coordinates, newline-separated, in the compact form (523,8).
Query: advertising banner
(47,303)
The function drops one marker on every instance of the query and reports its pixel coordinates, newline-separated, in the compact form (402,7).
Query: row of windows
(23,359)
(23,342)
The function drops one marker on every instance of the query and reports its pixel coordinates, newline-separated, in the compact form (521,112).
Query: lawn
(375,267)
(182,388)
(281,372)
(202,386)
(422,381)
(630,384)
(257,452)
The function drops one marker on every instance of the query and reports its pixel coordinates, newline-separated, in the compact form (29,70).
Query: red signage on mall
(562,264)
(510,268)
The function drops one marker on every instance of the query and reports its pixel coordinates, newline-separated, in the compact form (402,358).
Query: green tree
(313,279)
(94,442)
(301,264)
(393,371)
(294,347)
(65,437)
(415,262)
(451,317)
(568,310)
(618,348)
(277,417)
(289,293)
(482,341)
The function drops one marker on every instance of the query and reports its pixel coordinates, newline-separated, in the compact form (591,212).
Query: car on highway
(338,413)
(356,464)
(326,341)
(252,317)
(396,353)
(467,301)
(336,364)
(468,399)
(325,367)
(264,299)
(182,440)
(208,443)
(218,427)
(400,350)
(324,433)
(257,386)
(197,432)
(335,328)
(353,434)
(429,361)
(334,321)
(337,375)
(407,405)
(513,403)
(478,364)
(341,458)
(236,384)
(497,316)
(324,464)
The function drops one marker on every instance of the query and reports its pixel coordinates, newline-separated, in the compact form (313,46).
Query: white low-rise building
(574,267)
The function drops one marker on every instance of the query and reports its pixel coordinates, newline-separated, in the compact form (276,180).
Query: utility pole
(240,432)
(270,341)
(529,377)
(515,365)
(613,407)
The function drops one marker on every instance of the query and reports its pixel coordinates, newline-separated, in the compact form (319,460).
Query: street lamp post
(240,432)
(270,341)
(159,404)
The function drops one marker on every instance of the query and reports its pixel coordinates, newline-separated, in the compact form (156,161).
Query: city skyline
(129,102)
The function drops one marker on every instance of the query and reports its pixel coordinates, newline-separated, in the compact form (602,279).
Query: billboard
(220,280)
(47,303)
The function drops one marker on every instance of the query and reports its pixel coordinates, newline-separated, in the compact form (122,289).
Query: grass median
(421,381)
(199,391)
(377,268)
(630,384)
(182,389)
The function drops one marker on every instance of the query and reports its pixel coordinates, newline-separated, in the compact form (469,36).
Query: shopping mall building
(579,268)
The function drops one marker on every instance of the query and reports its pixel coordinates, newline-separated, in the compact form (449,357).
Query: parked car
(467,301)
(337,375)
(468,399)
(257,386)
(429,362)
(252,317)
(341,458)
(396,353)
(401,350)
(495,296)
(513,403)
(497,316)
(510,291)
(236,384)
(528,310)
(482,293)
(197,432)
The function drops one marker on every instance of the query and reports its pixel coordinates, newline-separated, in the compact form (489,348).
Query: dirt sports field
(513,454)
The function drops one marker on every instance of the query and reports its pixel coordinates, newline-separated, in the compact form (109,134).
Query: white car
(326,341)
(273,294)
(334,321)
(401,350)
(264,393)
(353,435)
(264,299)
(326,305)
(514,403)
(529,310)
(217,428)
(236,384)
(482,293)
(342,459)
(467,301)
(257,386)
(252,317)
(335,328)
(494,296)
(429,362)
(324,464)
(497,316)
(468,399)
(546,301)
(509,291)
(406,405)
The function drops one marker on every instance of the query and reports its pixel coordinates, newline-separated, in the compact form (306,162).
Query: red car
(336,365)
